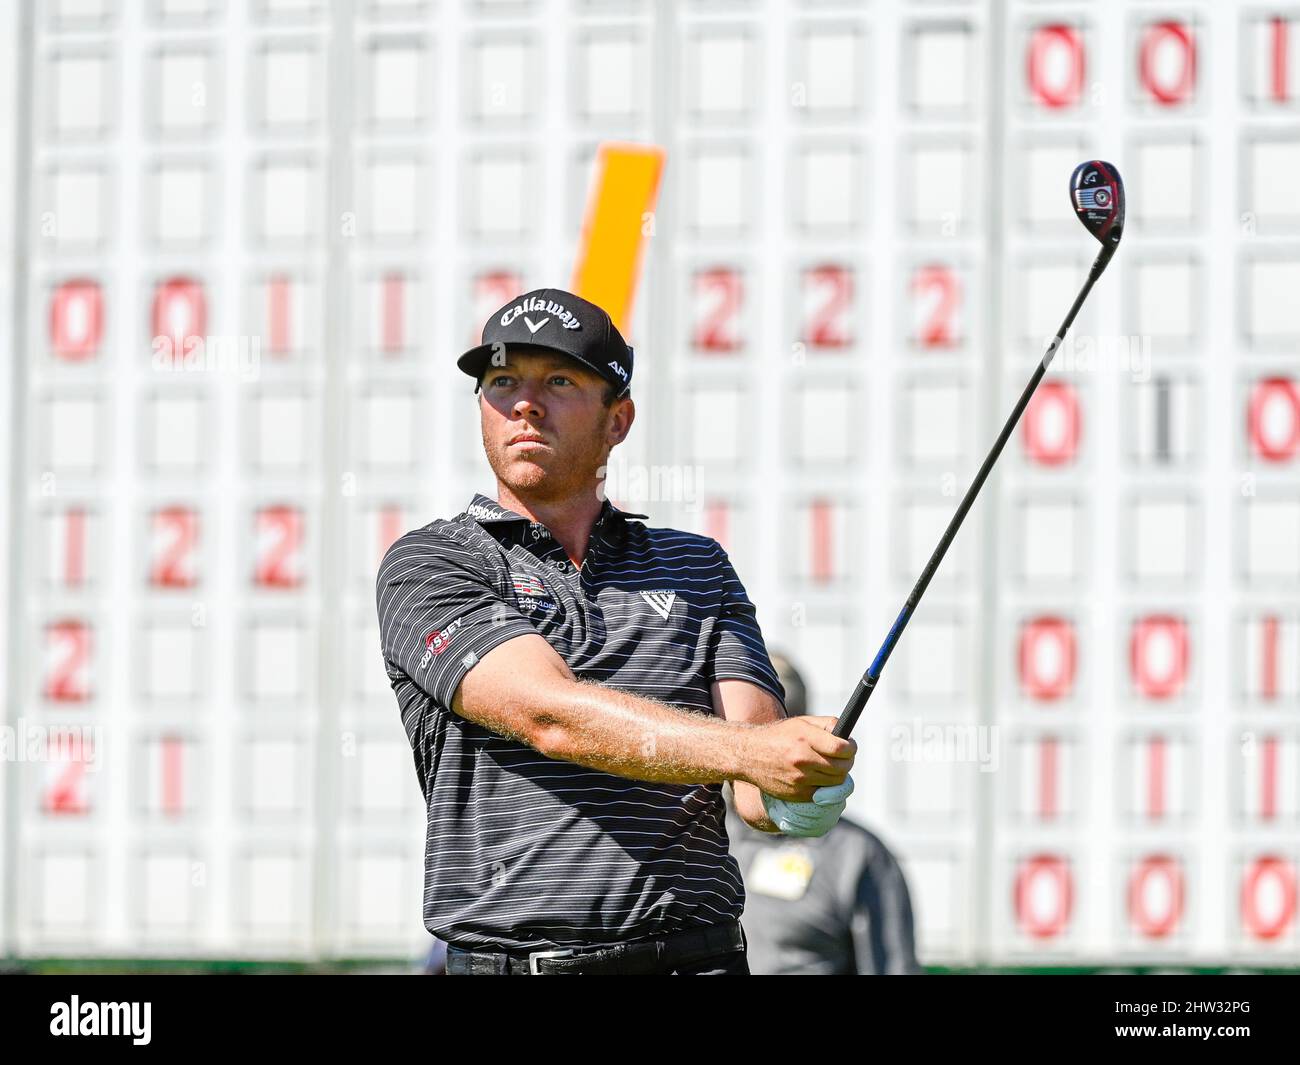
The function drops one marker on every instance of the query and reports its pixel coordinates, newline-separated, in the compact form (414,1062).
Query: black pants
(733,963)
(726,963)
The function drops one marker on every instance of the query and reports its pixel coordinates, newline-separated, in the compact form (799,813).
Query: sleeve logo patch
(437,641)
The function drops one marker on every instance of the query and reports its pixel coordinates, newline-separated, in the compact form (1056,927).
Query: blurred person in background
(836,904)
(434,962)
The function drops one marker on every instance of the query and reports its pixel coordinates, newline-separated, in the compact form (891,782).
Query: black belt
(639,956)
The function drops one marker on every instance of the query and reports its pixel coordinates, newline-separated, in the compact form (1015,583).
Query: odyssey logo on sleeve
(436,642)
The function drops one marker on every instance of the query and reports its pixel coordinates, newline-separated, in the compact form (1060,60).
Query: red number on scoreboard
(1044,896)
(828,301)
(717,521)
(280,325)
(179,318)
(1167,62)
(1268,778)
(175,533)
(1268,897)
(1049,757)
(67,661)
(67,789)
(1155,896)
(1052,424)
(491,290)
(388,529)
(171,763)
(1157,775)
(1159,656)
(1273,419)
(392,313)
(936,295)
(1057,66)
(76,320)
(279,544)
(821,535)
(68,547)
(1279,55)
(1273,638)
(718,297)
(1047,658)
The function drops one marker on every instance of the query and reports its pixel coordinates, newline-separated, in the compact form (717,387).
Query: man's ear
(620,423)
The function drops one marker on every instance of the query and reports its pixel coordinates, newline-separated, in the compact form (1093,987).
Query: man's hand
(814,818)
(793,758)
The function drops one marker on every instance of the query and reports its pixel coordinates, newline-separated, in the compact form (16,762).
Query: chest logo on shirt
(660,602)
(532,593)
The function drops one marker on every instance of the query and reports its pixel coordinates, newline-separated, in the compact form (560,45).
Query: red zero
(1047,658)
(1155,896)
(1052,424)
(1043,896)
(180,314)
(1268,897)
(76,319)
(1273,419)
(1057,66)
(1159,655)
(1167,62)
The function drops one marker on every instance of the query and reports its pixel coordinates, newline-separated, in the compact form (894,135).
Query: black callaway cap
(558,320)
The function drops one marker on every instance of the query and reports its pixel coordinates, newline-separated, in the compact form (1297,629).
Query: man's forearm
(611,730)
(749,805)
(523,690)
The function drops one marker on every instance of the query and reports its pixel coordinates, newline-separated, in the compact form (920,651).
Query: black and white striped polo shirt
(525,851)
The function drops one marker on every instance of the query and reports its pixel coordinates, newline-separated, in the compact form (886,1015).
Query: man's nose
(528,406)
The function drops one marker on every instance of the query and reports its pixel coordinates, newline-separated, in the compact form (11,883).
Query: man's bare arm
(741,701)
(523,689)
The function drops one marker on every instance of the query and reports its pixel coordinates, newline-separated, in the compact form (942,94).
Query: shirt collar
(487,511)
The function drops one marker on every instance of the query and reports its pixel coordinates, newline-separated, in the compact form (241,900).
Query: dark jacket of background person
(834,904)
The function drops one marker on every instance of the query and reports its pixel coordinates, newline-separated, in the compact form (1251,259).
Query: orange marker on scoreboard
(615,227)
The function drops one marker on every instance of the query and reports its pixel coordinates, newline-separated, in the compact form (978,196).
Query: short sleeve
(737,650)
(437,615)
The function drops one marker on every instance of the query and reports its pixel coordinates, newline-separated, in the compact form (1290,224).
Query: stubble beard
(568,470)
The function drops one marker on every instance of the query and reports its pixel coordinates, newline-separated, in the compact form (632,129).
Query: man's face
(546,429)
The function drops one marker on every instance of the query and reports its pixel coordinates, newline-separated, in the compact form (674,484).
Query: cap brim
(476,360)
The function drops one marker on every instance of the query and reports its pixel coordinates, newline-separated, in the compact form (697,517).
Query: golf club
(1097,196)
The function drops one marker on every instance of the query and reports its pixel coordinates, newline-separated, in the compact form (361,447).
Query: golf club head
(1097,196)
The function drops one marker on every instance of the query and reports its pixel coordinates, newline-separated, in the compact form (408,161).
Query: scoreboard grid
(1085,753)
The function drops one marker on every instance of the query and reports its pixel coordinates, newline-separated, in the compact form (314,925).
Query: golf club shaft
(858,700)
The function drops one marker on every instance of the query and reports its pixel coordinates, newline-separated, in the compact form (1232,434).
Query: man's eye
(561,379)
(500,381)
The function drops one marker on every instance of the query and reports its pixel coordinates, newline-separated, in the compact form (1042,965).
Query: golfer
(577,686)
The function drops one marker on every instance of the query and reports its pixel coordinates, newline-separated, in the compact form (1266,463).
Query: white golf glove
(814,818)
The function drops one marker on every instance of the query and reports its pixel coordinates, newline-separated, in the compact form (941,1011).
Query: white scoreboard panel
(253,234)
(1084,747)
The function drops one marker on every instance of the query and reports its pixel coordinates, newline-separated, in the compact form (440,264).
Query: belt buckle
(535,956)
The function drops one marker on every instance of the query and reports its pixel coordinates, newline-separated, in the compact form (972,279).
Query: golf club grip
(858,700)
